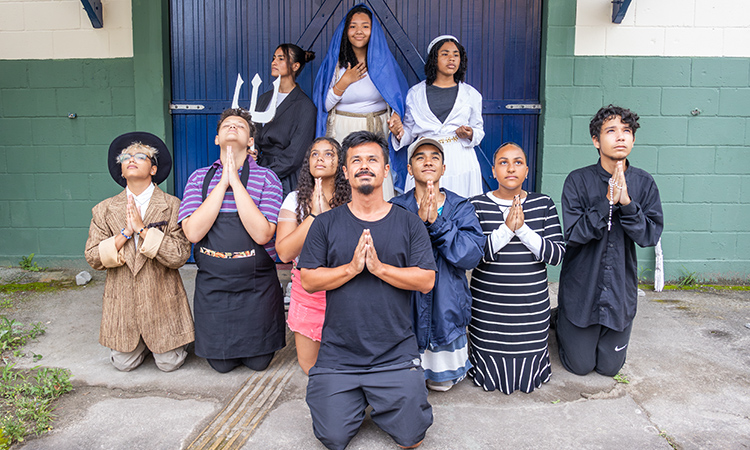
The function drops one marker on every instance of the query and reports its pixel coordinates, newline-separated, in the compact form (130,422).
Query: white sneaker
(440,386)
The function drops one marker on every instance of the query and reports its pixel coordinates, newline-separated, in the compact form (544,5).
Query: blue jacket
(442,315)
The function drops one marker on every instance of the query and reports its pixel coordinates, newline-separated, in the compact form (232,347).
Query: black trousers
(595,347)
(253,362)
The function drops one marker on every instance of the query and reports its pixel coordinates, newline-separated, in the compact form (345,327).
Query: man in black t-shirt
(368,256)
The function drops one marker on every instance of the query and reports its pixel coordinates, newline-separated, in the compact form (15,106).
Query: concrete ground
(688,369)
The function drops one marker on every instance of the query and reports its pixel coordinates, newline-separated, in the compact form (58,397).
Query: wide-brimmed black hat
(163,158)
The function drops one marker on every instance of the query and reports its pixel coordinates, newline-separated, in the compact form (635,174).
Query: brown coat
(143,295)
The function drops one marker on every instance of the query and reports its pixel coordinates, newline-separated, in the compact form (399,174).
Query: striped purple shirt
(263,186)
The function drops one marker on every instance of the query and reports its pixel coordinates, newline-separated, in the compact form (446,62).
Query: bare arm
(327,278)
(197,225)
(255,223)
(289,236)
(407,278)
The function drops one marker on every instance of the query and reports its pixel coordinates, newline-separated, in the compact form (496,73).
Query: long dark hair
(342,192)
(294,54)
(346,52)
(430,67)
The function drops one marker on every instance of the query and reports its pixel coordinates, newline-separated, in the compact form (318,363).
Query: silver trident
(257,116)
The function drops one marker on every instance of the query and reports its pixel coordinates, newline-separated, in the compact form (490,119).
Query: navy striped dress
(510,301)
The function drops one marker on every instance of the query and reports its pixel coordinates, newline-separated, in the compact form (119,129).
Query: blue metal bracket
(94,10)
(619,8)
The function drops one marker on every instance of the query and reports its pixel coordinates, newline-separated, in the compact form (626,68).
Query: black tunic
(599,277)
(282,142)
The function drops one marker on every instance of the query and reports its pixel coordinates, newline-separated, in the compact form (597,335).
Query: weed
(668,438)
(621,378)
(27,400)
(687,279)
(643,276)
(27,263)
(14,334)
(26,397)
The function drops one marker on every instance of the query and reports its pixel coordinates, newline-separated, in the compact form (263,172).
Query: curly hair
(610,112)
(294,54)
(346,52)
(430,67)
(342,192)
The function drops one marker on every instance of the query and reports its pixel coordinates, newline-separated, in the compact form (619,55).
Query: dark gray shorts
(338,400)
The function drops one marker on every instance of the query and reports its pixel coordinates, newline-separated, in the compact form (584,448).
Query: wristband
(141,231)
(122,232)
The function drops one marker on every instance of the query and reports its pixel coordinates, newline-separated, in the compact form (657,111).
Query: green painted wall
(53,169)
(701,163)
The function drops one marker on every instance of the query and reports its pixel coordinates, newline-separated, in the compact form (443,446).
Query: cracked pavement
(688,373)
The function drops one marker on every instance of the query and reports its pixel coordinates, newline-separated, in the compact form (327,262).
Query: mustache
(364,172)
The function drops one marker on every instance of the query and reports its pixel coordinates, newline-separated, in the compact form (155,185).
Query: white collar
(143,198)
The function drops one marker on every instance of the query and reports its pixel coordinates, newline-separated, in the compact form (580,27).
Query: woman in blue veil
(351,97)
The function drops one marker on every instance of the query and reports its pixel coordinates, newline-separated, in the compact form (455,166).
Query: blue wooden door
(214,40)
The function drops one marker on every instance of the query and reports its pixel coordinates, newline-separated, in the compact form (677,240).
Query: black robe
(282,142)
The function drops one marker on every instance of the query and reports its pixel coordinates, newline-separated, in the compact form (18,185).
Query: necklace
(612,185)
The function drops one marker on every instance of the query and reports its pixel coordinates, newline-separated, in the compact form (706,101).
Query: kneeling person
(367,255)
(229,210)
(608,207)
(442,315)
(135,237)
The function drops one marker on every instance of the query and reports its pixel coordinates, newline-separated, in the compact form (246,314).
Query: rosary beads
(612,185)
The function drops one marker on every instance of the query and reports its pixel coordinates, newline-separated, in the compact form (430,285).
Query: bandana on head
(438,39)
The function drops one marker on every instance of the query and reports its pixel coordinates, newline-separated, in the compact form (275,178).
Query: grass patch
(28,287)
(14,334)
(12,292)
(26,401)
(26,397)
(718,287)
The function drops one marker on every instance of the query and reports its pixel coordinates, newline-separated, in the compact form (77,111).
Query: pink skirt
(306,311)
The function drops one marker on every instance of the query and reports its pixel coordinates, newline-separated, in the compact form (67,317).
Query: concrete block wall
(61,29)
(53,169)
(700,162)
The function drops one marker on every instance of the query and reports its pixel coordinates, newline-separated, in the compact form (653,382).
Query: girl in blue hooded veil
(350,97)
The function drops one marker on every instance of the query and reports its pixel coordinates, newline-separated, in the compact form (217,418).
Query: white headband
(438,39)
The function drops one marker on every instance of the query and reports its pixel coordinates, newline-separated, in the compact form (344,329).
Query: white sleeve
(407,121)
(331,98)
(530,239)
(499,238)
(290,202)
(475,121)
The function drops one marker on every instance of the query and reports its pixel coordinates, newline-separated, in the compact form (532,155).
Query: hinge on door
(523,106)
(185,106)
